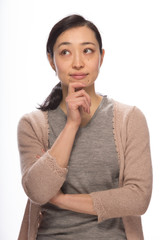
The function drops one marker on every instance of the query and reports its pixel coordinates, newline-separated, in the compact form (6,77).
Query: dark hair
(55,97)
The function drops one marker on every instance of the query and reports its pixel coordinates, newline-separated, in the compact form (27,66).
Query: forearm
(75,101)
(81,203)
(62,147)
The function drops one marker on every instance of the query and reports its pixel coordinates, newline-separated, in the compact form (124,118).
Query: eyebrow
(69,43)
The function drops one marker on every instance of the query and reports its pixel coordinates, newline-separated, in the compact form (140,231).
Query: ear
(50,59)
(102,56)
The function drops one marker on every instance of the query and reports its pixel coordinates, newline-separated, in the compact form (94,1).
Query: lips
(78,76)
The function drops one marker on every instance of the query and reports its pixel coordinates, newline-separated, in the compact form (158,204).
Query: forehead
(77,35)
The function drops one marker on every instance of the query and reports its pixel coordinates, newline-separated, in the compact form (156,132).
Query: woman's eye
(88,50)
(65,52)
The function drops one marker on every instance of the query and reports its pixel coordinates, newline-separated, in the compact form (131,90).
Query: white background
(130,74)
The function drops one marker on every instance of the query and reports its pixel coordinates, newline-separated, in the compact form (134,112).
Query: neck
(95,101)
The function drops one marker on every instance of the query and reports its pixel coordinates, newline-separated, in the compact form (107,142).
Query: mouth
(78,76)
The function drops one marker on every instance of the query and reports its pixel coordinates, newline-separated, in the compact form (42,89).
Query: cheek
(96,65)
(94,70)
(60,68)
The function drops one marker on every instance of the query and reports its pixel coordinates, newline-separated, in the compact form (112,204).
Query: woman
(85,158)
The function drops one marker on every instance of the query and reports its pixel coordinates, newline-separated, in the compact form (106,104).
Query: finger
(73,86)
(84,107)
(38,156)
(86,104)
(84,93)
(78,97)
(81,93)
(76,103)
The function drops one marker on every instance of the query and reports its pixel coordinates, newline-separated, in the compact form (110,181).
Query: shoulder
(129,119)
(37,117)
(34,124)
(125,112)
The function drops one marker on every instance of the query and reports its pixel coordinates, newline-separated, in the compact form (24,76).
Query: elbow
(36,198)
(142,208)
(34,194)
(43,180)
(137,200)
(38,192)
(145,204)
(140,196)
(142,204)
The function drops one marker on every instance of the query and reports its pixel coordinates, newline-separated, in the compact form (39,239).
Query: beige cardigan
(42,178)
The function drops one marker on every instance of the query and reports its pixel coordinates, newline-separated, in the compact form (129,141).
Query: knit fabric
(93,166)
(42,178)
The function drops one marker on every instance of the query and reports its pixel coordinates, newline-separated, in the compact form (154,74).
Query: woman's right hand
(77,102)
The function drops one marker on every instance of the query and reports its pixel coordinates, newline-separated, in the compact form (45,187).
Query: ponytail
(53,100)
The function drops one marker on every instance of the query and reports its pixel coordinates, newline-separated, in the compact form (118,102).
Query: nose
(78,62)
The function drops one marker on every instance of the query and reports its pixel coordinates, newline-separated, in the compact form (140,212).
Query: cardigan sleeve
(42,177)
(133,197)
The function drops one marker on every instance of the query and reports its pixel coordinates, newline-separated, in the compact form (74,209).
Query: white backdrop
(130,74)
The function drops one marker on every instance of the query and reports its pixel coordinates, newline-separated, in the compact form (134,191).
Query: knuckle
(84,99)
(82,90)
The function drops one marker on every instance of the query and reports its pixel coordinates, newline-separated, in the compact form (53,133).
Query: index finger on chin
(73,86)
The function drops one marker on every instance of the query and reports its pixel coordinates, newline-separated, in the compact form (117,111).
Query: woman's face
(77,56)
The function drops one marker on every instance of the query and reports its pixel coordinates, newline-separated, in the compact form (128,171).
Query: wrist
(58,200)
(61,201)
(72,126)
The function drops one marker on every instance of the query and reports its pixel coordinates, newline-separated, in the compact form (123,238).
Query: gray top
(93,166)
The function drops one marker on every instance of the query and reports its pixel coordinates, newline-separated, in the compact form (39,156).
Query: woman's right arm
(43,177)
(62,147)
